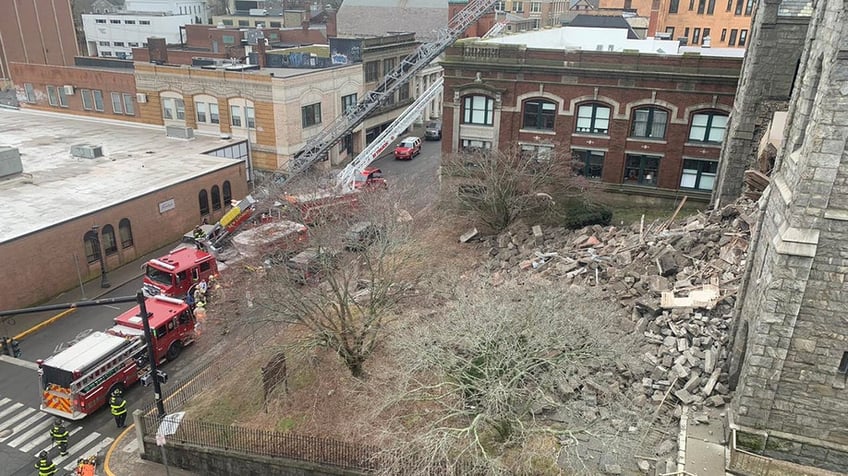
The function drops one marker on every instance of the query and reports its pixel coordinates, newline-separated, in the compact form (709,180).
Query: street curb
(67,312)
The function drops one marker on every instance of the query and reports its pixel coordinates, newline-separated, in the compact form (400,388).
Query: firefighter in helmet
(59,434)
(45,465)
(118,407)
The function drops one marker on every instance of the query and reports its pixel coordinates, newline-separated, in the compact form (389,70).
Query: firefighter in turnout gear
(45,466)
(118,406)
(59,434)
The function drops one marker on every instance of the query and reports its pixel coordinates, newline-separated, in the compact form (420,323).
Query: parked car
(311,265)
(361,235)
(371,178)
(408,148)
(433,130)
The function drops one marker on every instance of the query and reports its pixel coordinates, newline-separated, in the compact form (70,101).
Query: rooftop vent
(10,162)
(179,132)
(86,151)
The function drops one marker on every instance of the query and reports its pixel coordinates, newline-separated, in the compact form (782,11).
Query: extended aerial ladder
(321,143)
(377,146)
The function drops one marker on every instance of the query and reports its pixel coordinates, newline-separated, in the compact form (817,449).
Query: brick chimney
(653,19)
(157,49)
(261,45)
(331,23)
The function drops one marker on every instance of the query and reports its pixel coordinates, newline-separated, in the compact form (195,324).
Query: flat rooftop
(56,187)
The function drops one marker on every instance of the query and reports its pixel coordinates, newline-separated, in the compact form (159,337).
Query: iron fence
(314,449)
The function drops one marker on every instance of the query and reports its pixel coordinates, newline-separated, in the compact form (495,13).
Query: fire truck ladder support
(378,145)
(321,143)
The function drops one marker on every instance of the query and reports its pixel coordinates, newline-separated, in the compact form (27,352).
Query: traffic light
(161,376)
(16,348)
(147,379)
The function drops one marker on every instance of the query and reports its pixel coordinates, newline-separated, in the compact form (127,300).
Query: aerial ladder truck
(317,146)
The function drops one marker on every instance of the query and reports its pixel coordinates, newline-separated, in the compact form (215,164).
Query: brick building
(141,189)
(727,23)
(647,124)
(37,33)
(790,348)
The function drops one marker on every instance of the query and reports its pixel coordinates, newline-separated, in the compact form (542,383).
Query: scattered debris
(468,235)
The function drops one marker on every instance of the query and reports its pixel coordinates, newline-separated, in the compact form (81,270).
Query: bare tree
(498,186)
(510,379)
(348,288)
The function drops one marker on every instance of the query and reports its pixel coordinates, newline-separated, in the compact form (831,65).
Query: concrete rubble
(677,279)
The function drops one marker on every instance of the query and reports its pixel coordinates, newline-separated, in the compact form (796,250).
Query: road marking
(78,447)
(11,421)
(43,324)
(26,424)
(11,409)
(25,436)
(5,401)
(41,439)
(91,451)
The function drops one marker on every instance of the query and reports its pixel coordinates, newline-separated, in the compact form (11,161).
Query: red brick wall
(44,261)
(40,76)
(39,32)
(684,82)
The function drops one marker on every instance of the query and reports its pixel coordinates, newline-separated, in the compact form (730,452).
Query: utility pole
(151,355)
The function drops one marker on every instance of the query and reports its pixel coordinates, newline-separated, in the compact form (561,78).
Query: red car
(408,148)
(370,179)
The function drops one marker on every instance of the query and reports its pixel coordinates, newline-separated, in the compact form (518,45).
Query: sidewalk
(122,459)
(705,442)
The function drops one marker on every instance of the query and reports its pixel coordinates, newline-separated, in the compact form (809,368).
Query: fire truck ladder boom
(319,144)
(378,145)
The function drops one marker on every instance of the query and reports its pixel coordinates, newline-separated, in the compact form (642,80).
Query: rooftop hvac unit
(179,132)
(86,151)
(69,90)
(140,98)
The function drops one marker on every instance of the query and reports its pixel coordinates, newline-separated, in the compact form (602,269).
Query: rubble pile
(678,278)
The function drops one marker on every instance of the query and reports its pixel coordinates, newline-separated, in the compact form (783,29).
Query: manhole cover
(5,433)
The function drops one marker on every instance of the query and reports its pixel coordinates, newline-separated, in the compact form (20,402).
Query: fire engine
(175,273)
(78,380)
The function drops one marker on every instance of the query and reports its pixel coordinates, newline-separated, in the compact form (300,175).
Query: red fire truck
(175,273)
(78,380)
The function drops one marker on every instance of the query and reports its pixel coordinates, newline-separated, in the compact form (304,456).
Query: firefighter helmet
(43,454)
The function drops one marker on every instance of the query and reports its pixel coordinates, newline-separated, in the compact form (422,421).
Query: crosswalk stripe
(11,409)
(41,439)
(19,416)
(25,436)
(78,447)
(25,424)
(4,401)
(91,451)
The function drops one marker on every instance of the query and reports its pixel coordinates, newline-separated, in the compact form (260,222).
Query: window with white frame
(117,106)
(87,101)
(698,174)
(52,96)
(593,118)
(129,106)
(235,116)
(535,7)
(214,117)
(708,127)
(250,117)
(518,7)
(98,100)
(99,20)
(649,123)
(173,108)
(537,152)
(348,102)
(474,144)
(104,43)
(200,109)
(478,110)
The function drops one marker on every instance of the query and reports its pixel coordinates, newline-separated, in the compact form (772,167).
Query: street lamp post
(104,281)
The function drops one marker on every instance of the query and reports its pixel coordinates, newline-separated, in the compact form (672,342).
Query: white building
(195,8)
(116,34)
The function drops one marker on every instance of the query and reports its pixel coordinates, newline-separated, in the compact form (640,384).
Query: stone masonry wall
(765,85)
(790,384)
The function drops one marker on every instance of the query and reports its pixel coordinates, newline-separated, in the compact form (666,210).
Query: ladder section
(321,143)
(378,145)
(496,29)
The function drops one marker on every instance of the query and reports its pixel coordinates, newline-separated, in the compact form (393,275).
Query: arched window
(216,198)
(173,106)
(228,192)
(593,118)
(125,230)
(539,114)
(92,251)
(110,245)
(203,199)
(649,123)
(478,109)
(708,127)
